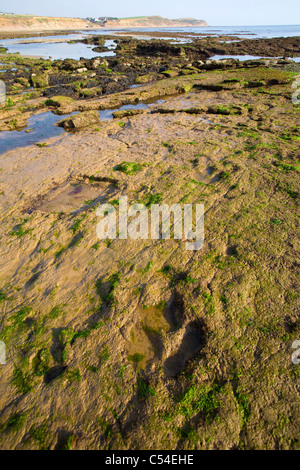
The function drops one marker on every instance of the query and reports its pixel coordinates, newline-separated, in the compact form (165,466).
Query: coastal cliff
(40,23)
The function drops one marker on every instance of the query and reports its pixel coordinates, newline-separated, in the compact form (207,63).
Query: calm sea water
(60,49)
(241,31)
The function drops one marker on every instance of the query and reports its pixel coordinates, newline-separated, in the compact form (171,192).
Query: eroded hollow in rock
(53,373)
(174,312)
(74,197)
(193,341)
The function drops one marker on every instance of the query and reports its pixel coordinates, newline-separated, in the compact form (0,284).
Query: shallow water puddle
(29,90)
(141,348)
(107,114)
(146,343)
(41,128)
(61,49)
(153,320)
(74,198)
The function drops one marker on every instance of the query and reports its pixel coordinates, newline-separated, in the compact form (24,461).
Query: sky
(215,12)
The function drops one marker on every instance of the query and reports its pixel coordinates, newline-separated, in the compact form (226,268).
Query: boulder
(80,120)
(40,80)
(198,63)
(171,73)
(64,104)
(188,71)
(94,64)
(141,79)
(23,81)
(68,64)
(100,49)
(59,101)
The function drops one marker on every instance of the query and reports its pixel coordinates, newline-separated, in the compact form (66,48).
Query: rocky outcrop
(272,47)
(80,120)
(208,47)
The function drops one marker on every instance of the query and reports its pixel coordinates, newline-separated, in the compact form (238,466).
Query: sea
(60,47)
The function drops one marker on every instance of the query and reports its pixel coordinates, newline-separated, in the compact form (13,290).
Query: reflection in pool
(40,128)
(57,48)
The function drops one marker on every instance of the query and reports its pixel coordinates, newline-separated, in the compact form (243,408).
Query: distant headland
(147,22)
